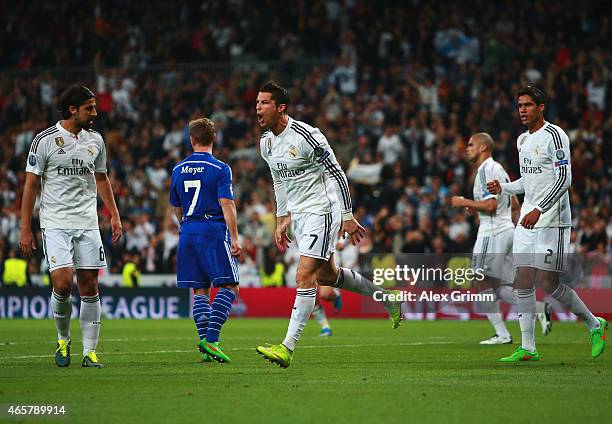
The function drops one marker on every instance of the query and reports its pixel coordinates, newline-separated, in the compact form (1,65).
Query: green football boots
(395,309)
(213,350)
(521,355)
(277,354)
(598,338)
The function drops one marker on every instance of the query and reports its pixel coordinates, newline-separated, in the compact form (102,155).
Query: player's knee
(326,276)
(305,279)
(63,289)
(524,278)
(549,282)
(486,284)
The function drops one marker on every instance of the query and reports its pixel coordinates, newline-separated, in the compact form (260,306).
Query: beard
(85,124)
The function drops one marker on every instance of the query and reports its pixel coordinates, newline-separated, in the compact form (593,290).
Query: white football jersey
(305,172)
(501,221)
(546,174)
(66,164)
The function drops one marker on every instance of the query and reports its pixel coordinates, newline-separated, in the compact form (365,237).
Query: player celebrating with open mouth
(312,195)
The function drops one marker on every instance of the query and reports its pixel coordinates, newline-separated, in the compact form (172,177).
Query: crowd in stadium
(399,93)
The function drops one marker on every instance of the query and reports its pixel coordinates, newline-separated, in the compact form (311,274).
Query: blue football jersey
(198,182)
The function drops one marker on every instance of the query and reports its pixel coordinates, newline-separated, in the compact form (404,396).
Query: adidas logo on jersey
(61,152)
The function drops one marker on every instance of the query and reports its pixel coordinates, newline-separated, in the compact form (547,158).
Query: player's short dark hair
(75,96)
(535,93)
(203,131)
(280,95)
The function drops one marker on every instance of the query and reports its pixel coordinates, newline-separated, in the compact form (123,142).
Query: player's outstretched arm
(515,187)
(231,220)
(487,206)
(106,194)
(26,242)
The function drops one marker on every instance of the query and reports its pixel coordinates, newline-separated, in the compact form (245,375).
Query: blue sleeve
(224,184)
(174,197)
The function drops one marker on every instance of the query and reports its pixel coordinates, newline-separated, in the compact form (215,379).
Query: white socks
(90,322)
(505,294)
(569,298)
(62,311)
(353,281)
(526,306)
(493,312)
(302,308)
(319,315)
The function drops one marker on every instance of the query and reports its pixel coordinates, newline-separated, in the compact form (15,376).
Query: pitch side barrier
(168,303)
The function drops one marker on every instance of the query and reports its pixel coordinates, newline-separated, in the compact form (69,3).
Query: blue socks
(201,313)
(220,311)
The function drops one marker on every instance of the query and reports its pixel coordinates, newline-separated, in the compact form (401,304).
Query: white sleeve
(323,156)
(559,154)
(515,187)
(100,162)
(280,193)
(37,157)
(488,175)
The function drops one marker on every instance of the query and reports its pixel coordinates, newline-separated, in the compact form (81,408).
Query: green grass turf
(422,372)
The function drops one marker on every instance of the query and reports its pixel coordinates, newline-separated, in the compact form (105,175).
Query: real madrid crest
(59,141)
(90,150)
(292,152)
(537,150)
(269,145)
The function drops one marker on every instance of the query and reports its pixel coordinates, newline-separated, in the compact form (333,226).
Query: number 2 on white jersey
(193,184)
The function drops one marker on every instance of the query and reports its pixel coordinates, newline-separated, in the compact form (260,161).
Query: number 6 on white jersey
(193,184)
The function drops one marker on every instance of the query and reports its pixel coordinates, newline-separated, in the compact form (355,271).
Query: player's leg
(568,297)
(303,306)
(493,312)
(524,294)
(488,257)
(201,315)
(331,275)
(324,293)
(61,304)
(222,268)
(91,312)
(343,278)
(191,274)
(57,247)
(201,311)
(551,264)
(332,295)
(220,310)
(506,294)
(89,258)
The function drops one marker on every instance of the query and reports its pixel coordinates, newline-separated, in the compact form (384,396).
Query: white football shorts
(493,254)
(316,234)
(541,248)
(80,249)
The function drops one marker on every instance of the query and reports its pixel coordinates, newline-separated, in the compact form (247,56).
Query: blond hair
(202,130)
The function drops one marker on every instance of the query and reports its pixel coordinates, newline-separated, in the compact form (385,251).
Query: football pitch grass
(421,372)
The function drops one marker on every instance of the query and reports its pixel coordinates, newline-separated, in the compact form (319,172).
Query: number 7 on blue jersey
(193,184)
